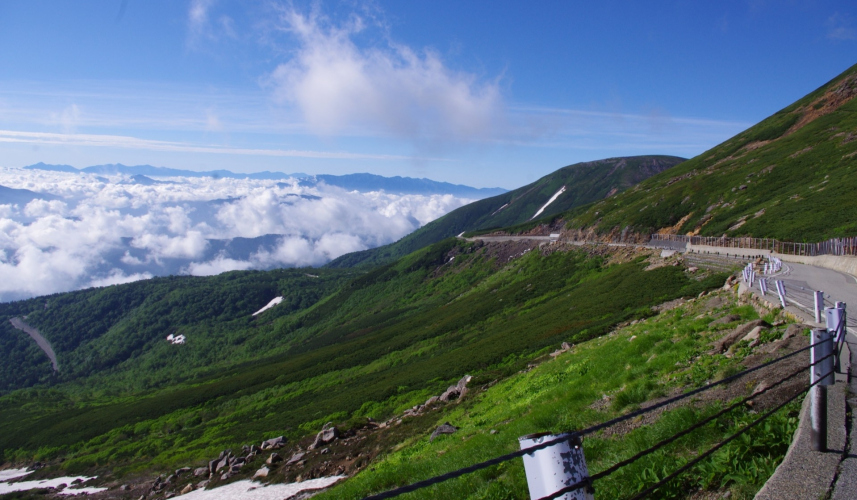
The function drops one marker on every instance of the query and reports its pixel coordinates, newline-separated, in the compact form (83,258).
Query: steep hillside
(127,399)
(791,177)
(568,187)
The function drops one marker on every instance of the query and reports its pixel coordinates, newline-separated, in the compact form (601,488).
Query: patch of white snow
(8,474)
(49,483)
(272,303)
(553,198)
(249,490)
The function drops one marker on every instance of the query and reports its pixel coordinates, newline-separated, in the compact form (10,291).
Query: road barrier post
(781,291)
(819,305)
(821,372)
(555,467)
(834,318)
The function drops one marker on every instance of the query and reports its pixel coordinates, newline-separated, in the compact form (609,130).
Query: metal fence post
(822,346)
(555,467)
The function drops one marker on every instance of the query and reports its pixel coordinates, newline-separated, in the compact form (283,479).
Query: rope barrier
(723,443)
(567,435)
(673,438)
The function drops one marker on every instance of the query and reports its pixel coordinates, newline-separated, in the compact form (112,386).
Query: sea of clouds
(90,230)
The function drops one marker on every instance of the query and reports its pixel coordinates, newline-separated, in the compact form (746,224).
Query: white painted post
(763,286)
(781,291)
(550,469)
(819,305)
(822,346)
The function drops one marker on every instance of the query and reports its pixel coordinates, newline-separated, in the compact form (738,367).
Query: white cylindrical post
(821,372)
(834,318)
(781,291)
(819,305)
(555,467)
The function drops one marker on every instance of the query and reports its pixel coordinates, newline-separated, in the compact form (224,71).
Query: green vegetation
(584,183)
(378,344)
(600,379)
(791,177)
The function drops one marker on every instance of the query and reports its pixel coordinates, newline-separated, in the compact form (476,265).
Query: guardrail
(833,246)
(566,473)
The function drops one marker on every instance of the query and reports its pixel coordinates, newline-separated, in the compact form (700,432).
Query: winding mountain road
(40,340)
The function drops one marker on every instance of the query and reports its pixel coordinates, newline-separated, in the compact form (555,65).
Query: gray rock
(273,459)
(202,484)
(224,462)
(201,471)
(456,391)
(181,471)
(727,340)
(446,428)
(124,487)
(187,489)
(225,476)
(794,330)
(212,466)
(326,436)
(273,443)
(171,479)
(295,458)
(263,472)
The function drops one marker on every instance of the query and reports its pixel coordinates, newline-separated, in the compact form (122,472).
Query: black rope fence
(565,436)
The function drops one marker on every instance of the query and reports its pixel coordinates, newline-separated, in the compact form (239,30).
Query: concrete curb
(807,474)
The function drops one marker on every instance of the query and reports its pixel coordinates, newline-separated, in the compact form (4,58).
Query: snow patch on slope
(6,487)
(553,199)
(272,303)
(248,490)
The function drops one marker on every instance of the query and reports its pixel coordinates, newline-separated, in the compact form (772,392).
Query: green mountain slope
(790,177)
(583,183)
(369,347)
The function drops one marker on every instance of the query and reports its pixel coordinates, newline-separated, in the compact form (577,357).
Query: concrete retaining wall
(843,264)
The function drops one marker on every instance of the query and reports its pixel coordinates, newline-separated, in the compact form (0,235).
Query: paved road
(40,340)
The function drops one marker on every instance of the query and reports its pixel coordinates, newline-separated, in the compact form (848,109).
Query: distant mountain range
(557,192)
(355,182)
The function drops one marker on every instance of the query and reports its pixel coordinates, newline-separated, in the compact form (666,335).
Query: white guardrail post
(781,291)
(555,467)
(819,305)
(822,346)
(834,317)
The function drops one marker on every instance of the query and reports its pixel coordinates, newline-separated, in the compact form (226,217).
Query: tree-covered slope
(583,183)
(791,177)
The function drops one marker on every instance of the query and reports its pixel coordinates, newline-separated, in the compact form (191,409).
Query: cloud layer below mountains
(87,230)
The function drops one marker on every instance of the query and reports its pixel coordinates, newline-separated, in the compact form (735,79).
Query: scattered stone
(224,462)
(754,333)
(181,471)
(456,391)
(77,481)
(295,458)
(170,494)
(761,387)
(225,476)
(493,431)
(693,269)
(61,486)
(274,458)
(201,471)
(263,472)
(632,338)
(187,489)
(446,428)
(212,466)
(273,443)
(432,400)
(202,484)
(727,340)
(170,479)
(326,436)
(794,330)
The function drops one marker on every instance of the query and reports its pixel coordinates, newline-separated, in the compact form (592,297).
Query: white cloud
(127,142)
(840,28)
(107,231)
(339,86)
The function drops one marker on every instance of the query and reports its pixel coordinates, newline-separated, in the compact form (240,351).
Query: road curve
(40,340)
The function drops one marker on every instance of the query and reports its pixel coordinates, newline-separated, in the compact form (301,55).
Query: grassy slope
(666,351)
(388,340)
(584,182)
(787,180)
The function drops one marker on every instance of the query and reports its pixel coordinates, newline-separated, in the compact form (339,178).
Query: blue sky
(481,93)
